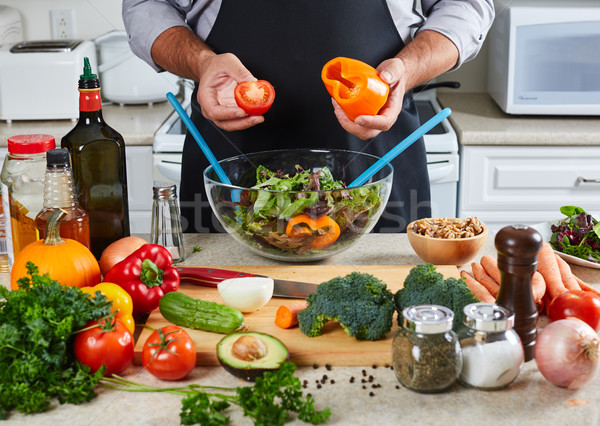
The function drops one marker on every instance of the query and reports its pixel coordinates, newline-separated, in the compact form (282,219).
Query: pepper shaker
(518,247)
(166,220)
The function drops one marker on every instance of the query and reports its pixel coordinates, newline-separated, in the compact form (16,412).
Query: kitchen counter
(478,120)
(530,400)
(136,123)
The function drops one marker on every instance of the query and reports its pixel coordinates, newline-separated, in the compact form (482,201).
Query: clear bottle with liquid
(58,193)
(98,164)
(23,189)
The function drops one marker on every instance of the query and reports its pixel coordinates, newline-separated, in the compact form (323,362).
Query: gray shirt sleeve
(464,22)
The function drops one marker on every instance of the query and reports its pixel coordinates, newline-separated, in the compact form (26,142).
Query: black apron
(287,43)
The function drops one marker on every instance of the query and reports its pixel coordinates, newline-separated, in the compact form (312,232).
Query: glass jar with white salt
(491,349)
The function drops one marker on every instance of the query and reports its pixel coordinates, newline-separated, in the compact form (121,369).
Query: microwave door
(557,65)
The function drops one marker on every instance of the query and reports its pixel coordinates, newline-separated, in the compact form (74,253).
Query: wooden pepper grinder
(518,247)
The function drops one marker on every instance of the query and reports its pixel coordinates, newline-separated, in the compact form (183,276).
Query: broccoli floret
(424,285)
(359,302)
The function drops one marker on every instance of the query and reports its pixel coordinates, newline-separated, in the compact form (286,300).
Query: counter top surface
(136,123)
(478,120)
(530,400)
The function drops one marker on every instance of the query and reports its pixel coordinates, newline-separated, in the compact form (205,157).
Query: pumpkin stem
(53,228)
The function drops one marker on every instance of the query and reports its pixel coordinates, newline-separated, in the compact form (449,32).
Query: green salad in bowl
(293,205)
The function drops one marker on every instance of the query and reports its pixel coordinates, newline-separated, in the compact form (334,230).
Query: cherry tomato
(169,353)
(254,97)
(584,305)
(105,342)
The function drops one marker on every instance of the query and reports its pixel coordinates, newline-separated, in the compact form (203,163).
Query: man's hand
(219,75)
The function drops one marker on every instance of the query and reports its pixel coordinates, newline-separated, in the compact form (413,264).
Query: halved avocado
(249,355)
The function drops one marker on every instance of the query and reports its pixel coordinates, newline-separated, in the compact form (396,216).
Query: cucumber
(186,311)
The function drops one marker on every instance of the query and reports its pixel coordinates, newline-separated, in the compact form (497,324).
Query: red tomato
(169,353)
(584,305)
(107,342)
(254,97)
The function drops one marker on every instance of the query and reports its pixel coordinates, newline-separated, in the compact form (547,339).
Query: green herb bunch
(269,402)
(36,358)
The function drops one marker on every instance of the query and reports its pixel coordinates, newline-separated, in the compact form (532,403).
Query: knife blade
(210,277)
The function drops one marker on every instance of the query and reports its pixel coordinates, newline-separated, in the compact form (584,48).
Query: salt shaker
(166,220)
(492,353)
(518,247)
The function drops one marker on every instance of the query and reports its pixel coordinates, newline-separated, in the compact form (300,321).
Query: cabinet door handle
(581,180)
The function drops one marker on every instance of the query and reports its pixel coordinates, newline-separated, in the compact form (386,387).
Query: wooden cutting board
(334,347)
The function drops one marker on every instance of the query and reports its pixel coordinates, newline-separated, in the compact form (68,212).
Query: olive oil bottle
(98,165)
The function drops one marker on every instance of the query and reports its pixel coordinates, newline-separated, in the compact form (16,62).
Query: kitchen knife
(210,277)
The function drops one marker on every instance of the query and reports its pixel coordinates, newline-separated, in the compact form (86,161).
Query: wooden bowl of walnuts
(447,241)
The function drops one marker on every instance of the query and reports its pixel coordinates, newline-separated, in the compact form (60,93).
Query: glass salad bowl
(293,204)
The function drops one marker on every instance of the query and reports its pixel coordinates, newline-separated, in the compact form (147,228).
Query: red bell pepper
(146,274)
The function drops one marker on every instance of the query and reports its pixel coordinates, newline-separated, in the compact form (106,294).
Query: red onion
(567,352)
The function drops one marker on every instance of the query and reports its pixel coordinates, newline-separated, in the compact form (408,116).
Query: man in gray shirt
(219,43)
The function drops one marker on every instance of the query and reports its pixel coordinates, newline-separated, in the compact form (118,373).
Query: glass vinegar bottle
(99,171)
(58,193)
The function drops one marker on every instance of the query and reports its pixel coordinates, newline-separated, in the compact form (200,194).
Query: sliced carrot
(478,290)
(586,287)
(566,274)
(548,267)
(538,286)
(287,315)
(490,264)
(484,279)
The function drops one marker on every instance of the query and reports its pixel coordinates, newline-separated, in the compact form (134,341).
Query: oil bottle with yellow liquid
(22,180)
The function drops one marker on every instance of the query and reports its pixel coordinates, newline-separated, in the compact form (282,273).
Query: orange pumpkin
(67,261)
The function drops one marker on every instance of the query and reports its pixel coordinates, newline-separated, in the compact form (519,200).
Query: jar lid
(58,158)
(488,317)
(164,191)
(428,319)
(30,144)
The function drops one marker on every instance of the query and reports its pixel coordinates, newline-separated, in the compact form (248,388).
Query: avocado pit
(249,348)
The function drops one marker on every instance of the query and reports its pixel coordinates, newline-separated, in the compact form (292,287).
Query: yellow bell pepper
(121,302)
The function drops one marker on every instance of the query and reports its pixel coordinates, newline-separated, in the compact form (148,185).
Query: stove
(441,144)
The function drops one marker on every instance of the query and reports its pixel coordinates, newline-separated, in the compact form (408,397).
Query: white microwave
(544,59)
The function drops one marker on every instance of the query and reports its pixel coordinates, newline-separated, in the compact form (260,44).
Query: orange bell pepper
(355,86)
(121,302)
(325,230)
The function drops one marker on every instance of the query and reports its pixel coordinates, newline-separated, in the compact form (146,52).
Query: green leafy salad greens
(36,360)
(577,235)
(263,215)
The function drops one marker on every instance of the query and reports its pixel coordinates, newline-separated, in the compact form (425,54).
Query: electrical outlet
(62,23)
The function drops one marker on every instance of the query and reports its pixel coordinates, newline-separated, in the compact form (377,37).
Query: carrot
(478,290)
(586,287)
(287,315)
(567,276)
(490,264)
(548,267)
(538,286)
(484,279)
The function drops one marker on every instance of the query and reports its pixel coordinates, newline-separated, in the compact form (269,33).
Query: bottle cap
(488,317)
(58,157)
(164,191)
(87,80)
(30,144)
(428,319)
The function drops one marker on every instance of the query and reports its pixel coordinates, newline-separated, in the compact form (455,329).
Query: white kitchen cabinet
(504,185)
(139,187)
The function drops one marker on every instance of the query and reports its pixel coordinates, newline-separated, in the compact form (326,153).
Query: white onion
(567,352)
(246,294)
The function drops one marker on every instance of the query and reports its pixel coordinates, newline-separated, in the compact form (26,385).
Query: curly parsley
(36,361)
(268,402)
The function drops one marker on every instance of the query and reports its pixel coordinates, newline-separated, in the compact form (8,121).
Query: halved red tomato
(254,97)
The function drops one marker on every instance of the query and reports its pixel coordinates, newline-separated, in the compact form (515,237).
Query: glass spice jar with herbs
(426,353)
